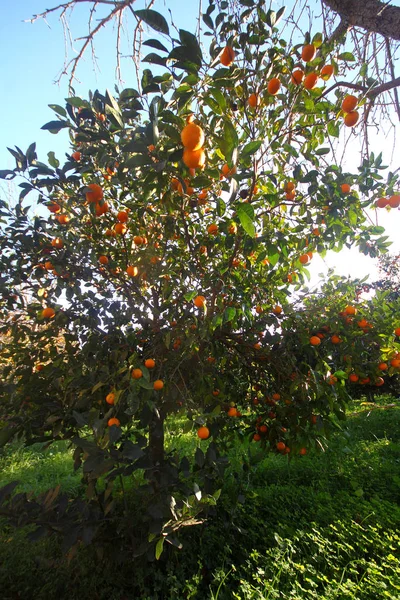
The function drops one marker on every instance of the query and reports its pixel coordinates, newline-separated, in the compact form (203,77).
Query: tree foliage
(200,271)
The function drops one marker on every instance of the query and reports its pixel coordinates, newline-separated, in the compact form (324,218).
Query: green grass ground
(324,526)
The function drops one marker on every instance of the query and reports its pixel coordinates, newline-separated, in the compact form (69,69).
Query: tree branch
(372,15)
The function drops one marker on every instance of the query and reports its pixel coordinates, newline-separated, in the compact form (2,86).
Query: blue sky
(34,55)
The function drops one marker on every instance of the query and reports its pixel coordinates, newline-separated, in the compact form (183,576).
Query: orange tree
(165,281)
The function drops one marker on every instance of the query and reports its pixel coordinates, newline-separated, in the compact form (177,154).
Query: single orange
(335,339)
(382,366)
(199,301)
(310,81)
(57,243)
(113,421)
(315,340)
(353,377)
(62,219)
(103,260)
(382,202)
(397,331)
(227,56)
(379,381)
(350,310)
(212,229)
(48,312)
(394,201)
(253,100)
(327,72)
(194,159)
(277,310)
(192,135)
(149,363)
(351,119)
(281,446)
(256,437)
(132,271)
(304,259)
(297,76)
(54,207)
(137,373)
(76,156)
(274,85)
(232,412)
(227,172)
(308,52)
(303,451)
(349,103)
(345,188)
(110,398)
(203,433)
(158,384)
(120,228)
(122,216)
(96,193)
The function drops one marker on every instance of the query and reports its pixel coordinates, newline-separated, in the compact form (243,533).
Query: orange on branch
(95,194)
(351,119)
(110,398)
(122,216)
(194,159)
(274,86)
(113,421)
(192,135)
(203,433)
(349,103)
(149,363)
(227,56)
(158,384)
(327,72)
(310,81)
(199,301)
(137,373)
(120,228)
(345,188)
(308,52)
(48,312)
(297,76)
(103,260)
(253,100)
(132,271)
(315,340)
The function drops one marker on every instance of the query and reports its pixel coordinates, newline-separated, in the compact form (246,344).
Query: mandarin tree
(189,313)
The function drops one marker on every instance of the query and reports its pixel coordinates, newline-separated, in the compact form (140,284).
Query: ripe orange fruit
(362,323)
(394,201)
(138,240)
(256,437)
(397,331)
(54,207)
(308,52)
(274,86)
(352,118)
(232,412)
(122,216)
(101,117)
(96,193)
(310,81)
(203,433)
(48,312)
(315,340)
(227,56)
(281,446)
(137,373)
(192,135)
(62,219)
(335,339)
(227,172)
(350,310)
(199,301)
(158,384)
(110,398)
(120,228)
(382,366)
(304,259)
(303,451)
(353,378)
(382,202)
(289,186)
(345,188)
(100,209)
(132,271)
(253,100)
(332,379)
(57,243)
(379,381)
(395,363)
(326,72)
(276,396)
(349,103)
(39,367)
(194,159)
(76,156)
(263,429)
(297,76)
(149,363)
(277,310)
(113,421)
(232,229)
(212,229)
(103,260)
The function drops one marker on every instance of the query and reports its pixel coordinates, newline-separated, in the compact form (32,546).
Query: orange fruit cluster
(192,137)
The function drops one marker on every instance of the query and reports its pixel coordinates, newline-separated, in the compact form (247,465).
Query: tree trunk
(372,15)
(156,439)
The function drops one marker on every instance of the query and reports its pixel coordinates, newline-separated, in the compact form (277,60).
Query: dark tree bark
(372,15)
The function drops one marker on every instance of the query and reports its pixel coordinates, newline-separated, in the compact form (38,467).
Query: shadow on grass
(323,526)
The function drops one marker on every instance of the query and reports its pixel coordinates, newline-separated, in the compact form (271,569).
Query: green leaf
(347,56)
(229,313)
(153,58)
(55,126)
(153,19)
(159,548)
(58,109)
(245,213)
(76,102)
(322,151)
(6,174)
(251,148)
(333,129)
(155,44)
(52,160)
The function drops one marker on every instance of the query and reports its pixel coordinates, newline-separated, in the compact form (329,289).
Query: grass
(324,526)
